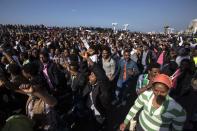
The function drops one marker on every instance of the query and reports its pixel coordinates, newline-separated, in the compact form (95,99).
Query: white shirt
(94,58)
(96,112)
(133,55)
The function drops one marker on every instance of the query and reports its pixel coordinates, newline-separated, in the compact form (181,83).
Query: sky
(141,15)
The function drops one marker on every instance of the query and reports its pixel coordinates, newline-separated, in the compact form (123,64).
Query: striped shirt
(169,116)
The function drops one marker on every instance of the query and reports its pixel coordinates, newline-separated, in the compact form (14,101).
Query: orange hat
(162,78)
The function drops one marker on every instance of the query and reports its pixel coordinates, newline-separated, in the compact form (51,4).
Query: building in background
(192,28)
(168,30)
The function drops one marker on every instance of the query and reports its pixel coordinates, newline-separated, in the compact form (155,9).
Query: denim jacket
(130,65)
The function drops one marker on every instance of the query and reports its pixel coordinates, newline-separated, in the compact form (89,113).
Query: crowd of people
(69,79)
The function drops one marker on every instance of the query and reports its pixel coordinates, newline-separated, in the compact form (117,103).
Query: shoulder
(112,60)
(141,77)
(146,95)
(133,62)
(121,60)
(174,106)
(51,64)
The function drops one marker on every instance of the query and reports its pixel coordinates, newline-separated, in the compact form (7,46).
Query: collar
(92,87)
(127,61)
(46,64)
(94,84)
(161,109)
(108,59)
(146,76)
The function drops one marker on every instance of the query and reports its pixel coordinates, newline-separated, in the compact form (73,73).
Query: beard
(160,99)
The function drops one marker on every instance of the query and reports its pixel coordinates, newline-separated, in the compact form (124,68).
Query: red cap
(162,78)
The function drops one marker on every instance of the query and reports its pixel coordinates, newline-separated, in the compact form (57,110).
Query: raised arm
(36,91)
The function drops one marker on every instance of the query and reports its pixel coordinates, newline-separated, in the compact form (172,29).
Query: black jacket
(150,58)
(57,78)
(101,93)
(78,83)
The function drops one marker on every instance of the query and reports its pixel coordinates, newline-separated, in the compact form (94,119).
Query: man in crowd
(145,80)
(97,95)
(128,70)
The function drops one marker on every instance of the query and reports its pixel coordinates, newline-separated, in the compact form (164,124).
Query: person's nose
(159,93)
(156,73)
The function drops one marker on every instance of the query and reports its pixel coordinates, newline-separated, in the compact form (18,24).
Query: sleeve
(99,72)
(135,68)
(179,120)
(85,43)
(118,69)
(139,103)
(84,67)
(105,98)
(56,74)
(139,82)
(113,66)
(82,80)
(58,77)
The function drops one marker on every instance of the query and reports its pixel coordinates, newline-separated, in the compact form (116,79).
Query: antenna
(114,26)
(125,27)
(168,29)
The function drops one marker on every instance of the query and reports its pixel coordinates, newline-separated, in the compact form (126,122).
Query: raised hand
(26,88)
(84,55)
(122,127)
(1,83)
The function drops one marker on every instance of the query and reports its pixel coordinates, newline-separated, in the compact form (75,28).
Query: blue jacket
(129,65)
